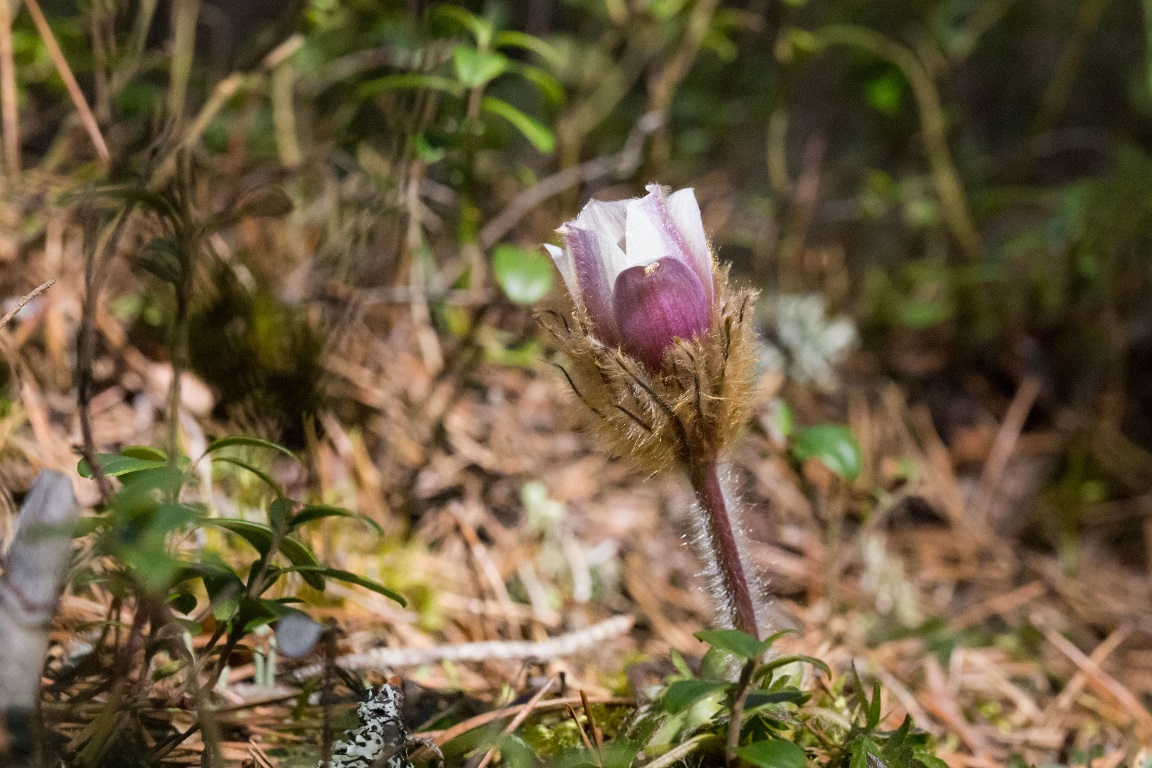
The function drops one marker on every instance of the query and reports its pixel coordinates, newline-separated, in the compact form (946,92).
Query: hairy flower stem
(705,478)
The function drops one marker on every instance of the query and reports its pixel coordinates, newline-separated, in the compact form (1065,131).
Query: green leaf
(352,578)
(536,132)
(163,259)
(246,466)
(931,761)
(250,442)
(679,664)
(765,698)
(874,712)
(279,513)
(549,87)
(414,82)
(481,28)
(774,753)
(258,535)
(783,661)
(260,612)
(861,750)
(716,664)
(514,39)
(115,465)
(313,512)
(886,92)
(831,444)
(524,275)
(146,452)
(476,68)
(305,561)
(739,644)
(682,694)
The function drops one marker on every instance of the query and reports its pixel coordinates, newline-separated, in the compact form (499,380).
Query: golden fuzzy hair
(693,407)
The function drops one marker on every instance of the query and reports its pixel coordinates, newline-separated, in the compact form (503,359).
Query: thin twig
(933,126)
(224,90)
(96,256)
(621,164)
(27,298)
(87,119)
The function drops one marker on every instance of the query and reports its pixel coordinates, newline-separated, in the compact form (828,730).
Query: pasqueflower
(661,351)
(642,271)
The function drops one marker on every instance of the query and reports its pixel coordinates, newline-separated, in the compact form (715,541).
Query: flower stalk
(661,352)
(724,539)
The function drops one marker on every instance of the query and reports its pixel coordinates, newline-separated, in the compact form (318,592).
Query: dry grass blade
(25,299)
(516,722)
(86,117)
(9,109)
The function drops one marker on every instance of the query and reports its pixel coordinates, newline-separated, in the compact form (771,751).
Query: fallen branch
(23,300)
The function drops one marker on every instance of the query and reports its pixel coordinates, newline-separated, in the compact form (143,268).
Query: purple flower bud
(641,270)
(657,304)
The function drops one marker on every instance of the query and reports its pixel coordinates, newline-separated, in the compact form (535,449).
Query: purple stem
(706,482)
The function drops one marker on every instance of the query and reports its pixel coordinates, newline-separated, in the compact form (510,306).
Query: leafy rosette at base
(661,347)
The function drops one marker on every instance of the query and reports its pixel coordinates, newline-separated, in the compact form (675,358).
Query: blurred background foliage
(967,181)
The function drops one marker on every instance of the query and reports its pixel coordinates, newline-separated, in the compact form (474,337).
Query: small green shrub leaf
(250,442)
(412,82)
(303,558)
(115,465)
(831,444)
(682,694)
(352,578)
(535,131)
(774,753)
(758,699)
(145,452)
(475,68)
(258,535)
(279,513)
(739,644)
(525,276)
(250,468)
(783,661)
(313,512)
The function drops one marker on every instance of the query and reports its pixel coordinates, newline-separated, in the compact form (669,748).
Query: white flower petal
(564,264)
(655,230)
(643,243)
(606,218)
(593,254)
(685,211)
